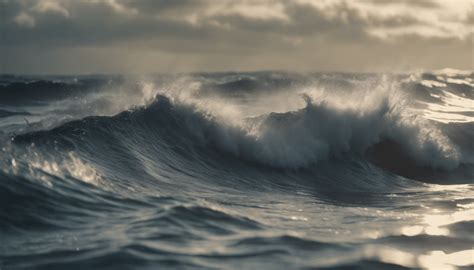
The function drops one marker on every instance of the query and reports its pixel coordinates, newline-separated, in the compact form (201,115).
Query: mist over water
(237,170)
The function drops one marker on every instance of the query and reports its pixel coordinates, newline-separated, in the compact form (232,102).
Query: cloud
(23,19)
(240,34)
(50,6)
(470,17)
(416,3)
(119,7)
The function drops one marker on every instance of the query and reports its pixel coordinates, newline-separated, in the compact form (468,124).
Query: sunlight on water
(429,229)
(447,117)
(439,260)
(441,220)
(467,206)
(433,222)
(389,255)
(73,167)
(453,108)
(462,189)
(412,230)
(431,83)
(434,260)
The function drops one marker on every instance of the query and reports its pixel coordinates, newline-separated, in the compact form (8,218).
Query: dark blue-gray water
(265,170)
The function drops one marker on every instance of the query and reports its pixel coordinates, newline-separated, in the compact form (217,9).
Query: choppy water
(237,170)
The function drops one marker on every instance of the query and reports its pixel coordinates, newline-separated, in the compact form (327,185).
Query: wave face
(238,170)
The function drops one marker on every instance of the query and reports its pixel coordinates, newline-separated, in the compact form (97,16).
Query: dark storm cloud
(215,35)
(470,17)
(99,24)
(164,6)
(89,24)
(413,3)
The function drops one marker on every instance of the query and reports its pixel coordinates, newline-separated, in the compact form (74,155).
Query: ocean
(273,170)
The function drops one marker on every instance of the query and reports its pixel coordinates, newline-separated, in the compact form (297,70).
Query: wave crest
(326,126)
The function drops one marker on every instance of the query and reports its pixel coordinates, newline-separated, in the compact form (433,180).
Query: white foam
(328,124)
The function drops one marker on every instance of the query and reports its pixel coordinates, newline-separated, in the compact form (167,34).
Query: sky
(161,36)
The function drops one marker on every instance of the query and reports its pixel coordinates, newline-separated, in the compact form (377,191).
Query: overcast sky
(147,36)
